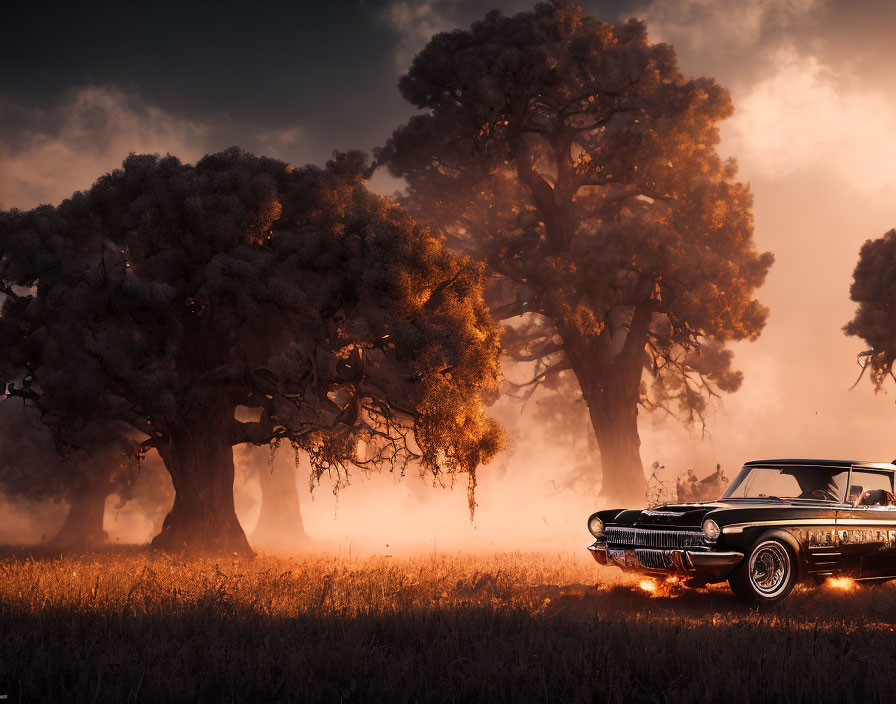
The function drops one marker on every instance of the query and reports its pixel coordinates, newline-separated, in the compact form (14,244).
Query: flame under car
(779,522)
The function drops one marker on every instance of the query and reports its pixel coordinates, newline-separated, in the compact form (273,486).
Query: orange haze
(816,142)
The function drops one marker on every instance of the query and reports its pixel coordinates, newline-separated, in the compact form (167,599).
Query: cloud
(48,154)
(282,143)
(714,27)
(806,116)
(416,22)
(797,108)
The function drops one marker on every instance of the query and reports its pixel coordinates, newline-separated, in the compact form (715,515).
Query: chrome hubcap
(769,568)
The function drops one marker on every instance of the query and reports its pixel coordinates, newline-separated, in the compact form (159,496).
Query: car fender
(606,515)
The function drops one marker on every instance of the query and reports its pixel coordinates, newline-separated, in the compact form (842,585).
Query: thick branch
(546,351)
(259,432)
(559,367)
(510,310)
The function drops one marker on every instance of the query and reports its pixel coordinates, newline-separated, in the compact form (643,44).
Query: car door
(866,527)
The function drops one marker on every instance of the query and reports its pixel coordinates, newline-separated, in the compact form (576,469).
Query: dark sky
(328,70)
(326,67)
(262,65)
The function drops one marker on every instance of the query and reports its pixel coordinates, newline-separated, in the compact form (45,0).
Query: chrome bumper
(700,564)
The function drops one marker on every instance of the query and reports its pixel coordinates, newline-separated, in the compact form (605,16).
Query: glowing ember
(844,583)
(648,585)
(671,580)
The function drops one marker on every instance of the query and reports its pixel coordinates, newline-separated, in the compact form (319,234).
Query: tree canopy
(169,294)
(576,160)
(874,289)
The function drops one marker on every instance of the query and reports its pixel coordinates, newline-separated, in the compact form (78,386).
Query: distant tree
(874,289)
(561,416)
(280,525)
(32,469)
(169,294)
(579,162)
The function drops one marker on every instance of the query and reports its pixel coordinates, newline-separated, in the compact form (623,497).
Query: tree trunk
(83,527)
(199,457)
(622,472)
(280,521)
(610,378)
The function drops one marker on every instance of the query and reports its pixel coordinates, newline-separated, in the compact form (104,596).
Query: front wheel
(766,576)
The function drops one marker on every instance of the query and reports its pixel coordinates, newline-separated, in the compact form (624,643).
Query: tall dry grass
(135,626)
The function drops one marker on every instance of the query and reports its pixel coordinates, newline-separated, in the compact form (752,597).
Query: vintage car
(778,522)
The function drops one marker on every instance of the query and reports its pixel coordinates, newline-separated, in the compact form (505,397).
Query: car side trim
(862,522)
(739,527)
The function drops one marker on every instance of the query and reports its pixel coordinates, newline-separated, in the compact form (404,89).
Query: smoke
(806,116)
(715,29)
(36,522)
(27,522)
(800,106)
(523,501)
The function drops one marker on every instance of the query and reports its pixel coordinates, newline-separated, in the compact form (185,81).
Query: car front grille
(653,559)
(651,538)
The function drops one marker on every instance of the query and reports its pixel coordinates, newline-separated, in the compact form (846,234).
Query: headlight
(711,530)
(596,526)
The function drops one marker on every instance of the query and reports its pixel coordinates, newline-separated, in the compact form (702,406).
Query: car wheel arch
(741,580)
(788,539)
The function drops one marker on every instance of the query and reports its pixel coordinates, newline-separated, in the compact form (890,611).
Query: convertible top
(822,463)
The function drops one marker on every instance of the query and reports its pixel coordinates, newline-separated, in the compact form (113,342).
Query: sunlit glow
(789,119)
(648,585)
(844,583)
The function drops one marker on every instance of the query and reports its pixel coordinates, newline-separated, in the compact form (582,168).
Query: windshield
(823,483)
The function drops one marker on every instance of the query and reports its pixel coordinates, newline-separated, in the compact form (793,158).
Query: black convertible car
(778,522)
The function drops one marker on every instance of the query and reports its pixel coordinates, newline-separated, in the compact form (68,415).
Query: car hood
(693,514)
(677,514)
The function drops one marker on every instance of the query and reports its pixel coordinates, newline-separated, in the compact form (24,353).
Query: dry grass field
(133,626)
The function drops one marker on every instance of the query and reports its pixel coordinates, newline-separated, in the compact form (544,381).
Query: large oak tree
(577,160)
(170,294)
